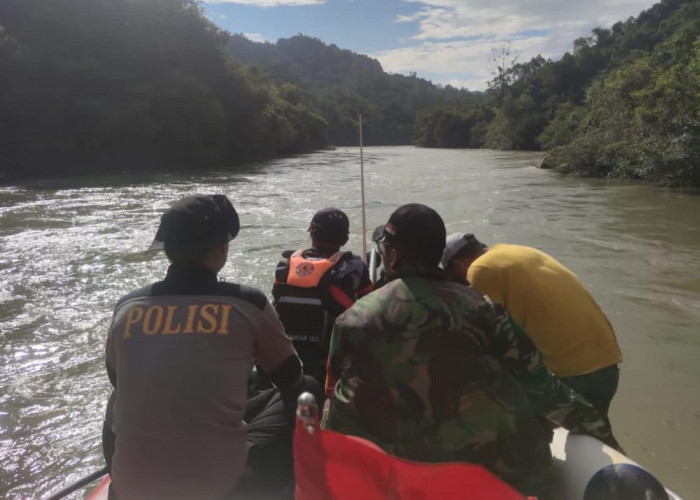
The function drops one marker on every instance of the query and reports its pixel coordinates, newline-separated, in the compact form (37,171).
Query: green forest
(339,83)
(114,85)
(624,103)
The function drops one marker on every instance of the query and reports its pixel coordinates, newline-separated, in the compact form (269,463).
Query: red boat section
(101,492)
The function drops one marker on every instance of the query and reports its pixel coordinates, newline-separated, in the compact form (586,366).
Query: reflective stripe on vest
(307,273)
(312,301)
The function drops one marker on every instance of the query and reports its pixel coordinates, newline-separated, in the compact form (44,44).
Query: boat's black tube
(79,484)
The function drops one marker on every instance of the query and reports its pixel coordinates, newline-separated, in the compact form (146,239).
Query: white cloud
(255,37)
(214,16)
(441,19)
(455,37)
(466,62)
(466,84)
(270,3)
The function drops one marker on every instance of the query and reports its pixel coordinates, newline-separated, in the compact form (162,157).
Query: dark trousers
(270,416)
(269,441)
(598,387)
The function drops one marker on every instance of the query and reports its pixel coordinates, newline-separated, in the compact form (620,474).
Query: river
(70,249)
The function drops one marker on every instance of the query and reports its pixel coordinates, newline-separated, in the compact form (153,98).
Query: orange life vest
(307,273)
(302,302)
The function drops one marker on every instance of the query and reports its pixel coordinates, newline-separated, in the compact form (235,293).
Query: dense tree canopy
(624,103)
(643,120)
(93,85)
(339,83)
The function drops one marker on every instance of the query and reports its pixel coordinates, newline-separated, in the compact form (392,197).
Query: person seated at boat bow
(431,371)
(561,317)
(313,286)
(179,353)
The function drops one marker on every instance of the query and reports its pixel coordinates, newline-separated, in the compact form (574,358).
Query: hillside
(90,86)
(113,85)
(338,83)
(624,103)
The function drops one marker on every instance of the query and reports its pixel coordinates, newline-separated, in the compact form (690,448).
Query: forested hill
(338,83)
(98,85)
(113,85)
(624,103)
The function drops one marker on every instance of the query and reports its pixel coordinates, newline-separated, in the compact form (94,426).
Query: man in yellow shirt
(562,318)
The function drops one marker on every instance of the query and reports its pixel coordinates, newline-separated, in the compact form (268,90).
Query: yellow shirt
(550,303)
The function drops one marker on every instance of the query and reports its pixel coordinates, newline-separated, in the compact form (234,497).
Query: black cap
(378,233)
(330,224)
(197,222)
(418,228)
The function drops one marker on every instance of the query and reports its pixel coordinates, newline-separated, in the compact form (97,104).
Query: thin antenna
(362,183)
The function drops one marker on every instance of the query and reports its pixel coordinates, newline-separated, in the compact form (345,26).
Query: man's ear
(395,258)
(216,257)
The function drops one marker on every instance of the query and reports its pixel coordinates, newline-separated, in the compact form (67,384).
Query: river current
(70,249)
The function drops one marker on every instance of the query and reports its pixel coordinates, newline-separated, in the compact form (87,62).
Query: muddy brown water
(70,249)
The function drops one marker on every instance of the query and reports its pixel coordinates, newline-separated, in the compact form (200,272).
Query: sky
(445,41)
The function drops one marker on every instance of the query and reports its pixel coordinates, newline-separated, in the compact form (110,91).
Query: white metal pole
(362,183)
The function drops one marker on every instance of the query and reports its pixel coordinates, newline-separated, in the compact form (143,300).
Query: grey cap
(455,243)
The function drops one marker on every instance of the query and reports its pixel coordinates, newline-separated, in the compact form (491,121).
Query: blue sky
(446,41)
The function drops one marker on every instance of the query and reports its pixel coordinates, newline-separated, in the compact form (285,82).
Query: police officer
(313,286)
(179,353)
(431,371)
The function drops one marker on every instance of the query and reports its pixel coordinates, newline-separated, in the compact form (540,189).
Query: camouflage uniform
(431,371)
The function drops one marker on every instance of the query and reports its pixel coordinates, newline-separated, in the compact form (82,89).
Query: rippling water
(69,250)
